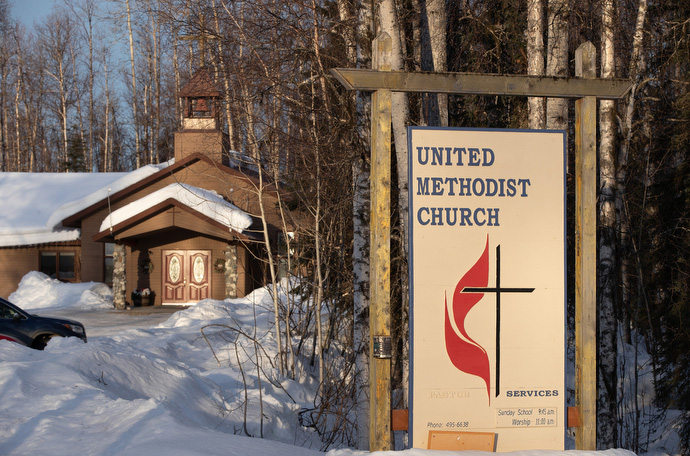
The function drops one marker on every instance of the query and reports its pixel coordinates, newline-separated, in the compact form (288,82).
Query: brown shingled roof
(201,85)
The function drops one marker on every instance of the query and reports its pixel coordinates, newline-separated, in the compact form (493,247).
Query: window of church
(58,265)
(109,262)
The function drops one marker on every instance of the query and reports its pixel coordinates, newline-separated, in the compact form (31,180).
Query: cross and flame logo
(464,352)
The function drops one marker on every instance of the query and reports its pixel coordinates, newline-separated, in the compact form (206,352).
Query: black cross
(498,290)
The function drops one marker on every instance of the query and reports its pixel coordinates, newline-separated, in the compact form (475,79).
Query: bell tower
(201,120)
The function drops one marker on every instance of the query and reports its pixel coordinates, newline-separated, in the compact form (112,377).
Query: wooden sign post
(586,253)
(585,88)
(379,307)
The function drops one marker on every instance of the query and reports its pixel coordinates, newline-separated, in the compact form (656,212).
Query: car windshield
(7,311)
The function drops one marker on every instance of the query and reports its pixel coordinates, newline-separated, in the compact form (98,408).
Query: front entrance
(186,278)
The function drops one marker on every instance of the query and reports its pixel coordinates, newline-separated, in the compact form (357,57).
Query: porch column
(119,277)
(231,271)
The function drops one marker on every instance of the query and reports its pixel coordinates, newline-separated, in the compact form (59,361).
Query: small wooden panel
(460,441)
(573,417)
(400,419)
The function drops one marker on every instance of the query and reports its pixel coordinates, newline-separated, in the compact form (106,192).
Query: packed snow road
(101,322)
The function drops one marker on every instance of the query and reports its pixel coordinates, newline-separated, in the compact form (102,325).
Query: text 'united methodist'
(456,186)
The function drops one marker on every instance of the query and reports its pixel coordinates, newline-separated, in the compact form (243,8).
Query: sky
(163,389)
(29,11)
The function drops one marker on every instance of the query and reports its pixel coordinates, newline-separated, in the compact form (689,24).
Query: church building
(172,233)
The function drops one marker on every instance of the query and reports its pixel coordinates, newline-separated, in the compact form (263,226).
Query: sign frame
(479,160)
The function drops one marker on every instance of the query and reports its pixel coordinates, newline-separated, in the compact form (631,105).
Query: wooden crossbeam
(481,84)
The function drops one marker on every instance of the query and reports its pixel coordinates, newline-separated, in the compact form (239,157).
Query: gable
(239,189)
(176,205)
(166,216)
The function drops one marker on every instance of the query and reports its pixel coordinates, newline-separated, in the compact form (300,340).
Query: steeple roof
(201,85)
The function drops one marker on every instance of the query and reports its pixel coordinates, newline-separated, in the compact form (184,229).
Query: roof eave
(111,233)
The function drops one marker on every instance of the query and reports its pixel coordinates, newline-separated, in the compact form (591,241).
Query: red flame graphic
(466,354)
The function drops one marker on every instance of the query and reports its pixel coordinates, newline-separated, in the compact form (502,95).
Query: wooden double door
(186,276)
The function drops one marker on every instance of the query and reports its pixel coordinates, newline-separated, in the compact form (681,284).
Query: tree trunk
(226,81)
(253,145)
(155,103)
(536,106)
(91,148)
(608,256)
(361,58)
(135,119)
(557,62)
(433,58)
(77,96)
(635,72)
(323,97)
(106,166)
(17,102)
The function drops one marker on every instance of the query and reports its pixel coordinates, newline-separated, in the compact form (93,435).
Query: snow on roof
(207,202)
(125,180)
(32,205)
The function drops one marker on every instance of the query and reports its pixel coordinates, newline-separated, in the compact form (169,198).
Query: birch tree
(636,72)
(130,34)
(56,35)
(358,44)
(29,113)
(390,22)
(608,258)
(536,106)
(433,58)
(153,100)
(5,57)
(106,159)
(253,134)
(85,12)
(557,61)
(225,74)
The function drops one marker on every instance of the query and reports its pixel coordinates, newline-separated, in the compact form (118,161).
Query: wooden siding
(92,253)
(181,231)
(203,174)
(200,174)
(151,249)
(240,191)
(15,263)
(174,217)
(208,142)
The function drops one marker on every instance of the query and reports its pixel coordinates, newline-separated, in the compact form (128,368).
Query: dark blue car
(33,331)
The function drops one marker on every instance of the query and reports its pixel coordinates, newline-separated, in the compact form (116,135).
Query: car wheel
(41,341)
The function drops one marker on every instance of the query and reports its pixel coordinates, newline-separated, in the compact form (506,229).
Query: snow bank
(37,291)
(200,383)
(182,387)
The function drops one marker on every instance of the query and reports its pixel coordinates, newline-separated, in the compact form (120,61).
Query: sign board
(487,294)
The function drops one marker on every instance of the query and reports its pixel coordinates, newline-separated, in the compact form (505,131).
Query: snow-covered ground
(180,387)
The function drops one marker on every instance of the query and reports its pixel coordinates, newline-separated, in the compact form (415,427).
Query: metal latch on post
(383,347)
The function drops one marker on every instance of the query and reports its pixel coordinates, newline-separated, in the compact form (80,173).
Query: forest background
(91,87)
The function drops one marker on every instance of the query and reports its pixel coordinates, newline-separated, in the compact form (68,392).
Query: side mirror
(16,318)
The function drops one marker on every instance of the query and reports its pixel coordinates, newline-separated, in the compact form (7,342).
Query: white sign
(487,272)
